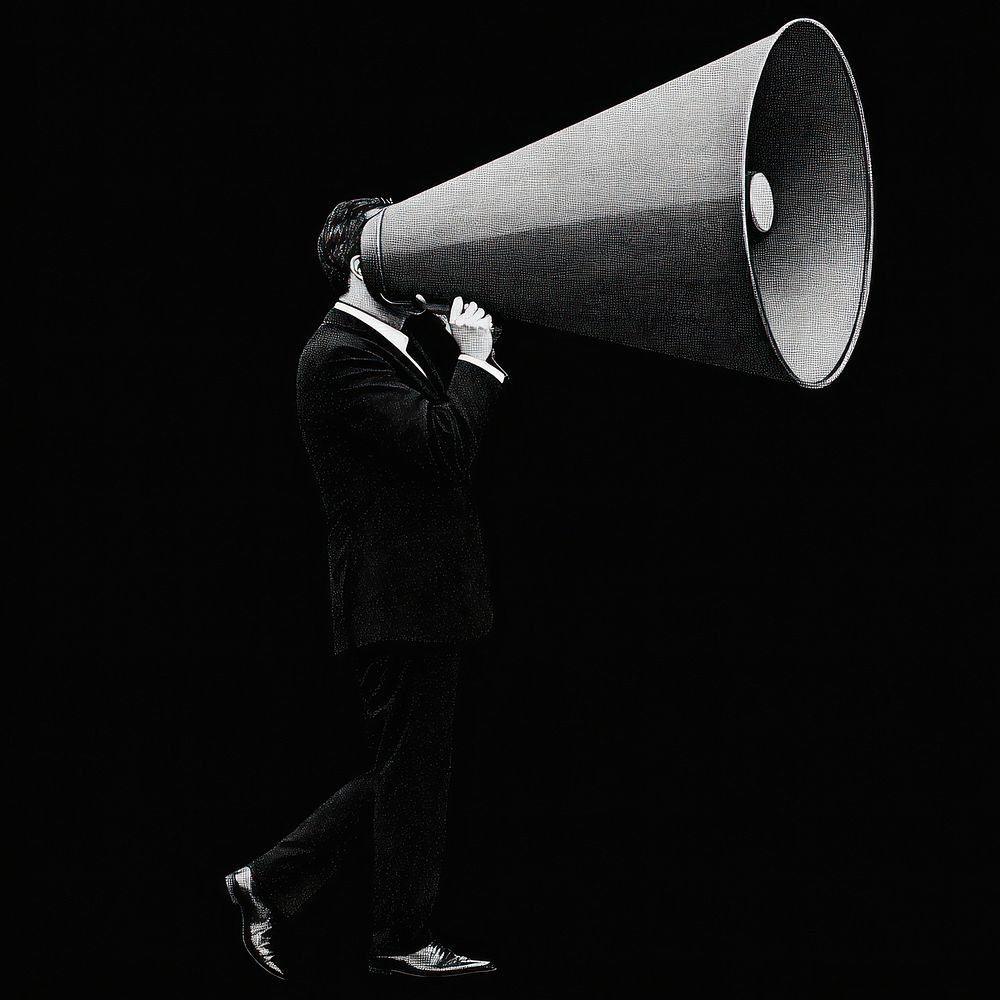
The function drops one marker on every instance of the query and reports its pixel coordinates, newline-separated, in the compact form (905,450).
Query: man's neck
(362,299)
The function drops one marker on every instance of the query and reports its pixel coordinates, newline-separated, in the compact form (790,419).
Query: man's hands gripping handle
(471,326)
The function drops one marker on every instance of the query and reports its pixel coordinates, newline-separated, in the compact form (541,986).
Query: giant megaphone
(724,217)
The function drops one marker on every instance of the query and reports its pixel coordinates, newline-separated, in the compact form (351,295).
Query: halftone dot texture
(632,226)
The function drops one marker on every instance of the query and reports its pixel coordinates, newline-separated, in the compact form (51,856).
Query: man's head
(340,239)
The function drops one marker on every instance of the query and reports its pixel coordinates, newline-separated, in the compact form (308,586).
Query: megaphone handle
(443,309)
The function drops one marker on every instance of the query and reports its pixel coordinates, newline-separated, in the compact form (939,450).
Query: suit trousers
(408,695)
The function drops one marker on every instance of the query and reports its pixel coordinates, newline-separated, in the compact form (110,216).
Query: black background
(712,739)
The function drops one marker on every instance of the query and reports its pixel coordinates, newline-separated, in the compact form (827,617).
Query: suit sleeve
(495,370)
(363,395)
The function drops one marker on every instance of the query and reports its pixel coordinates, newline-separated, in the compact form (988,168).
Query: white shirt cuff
(485,365)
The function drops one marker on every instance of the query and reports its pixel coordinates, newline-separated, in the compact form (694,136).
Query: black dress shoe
(258,922)
(435,960)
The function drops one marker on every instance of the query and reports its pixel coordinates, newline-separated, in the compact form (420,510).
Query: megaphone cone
(724,217)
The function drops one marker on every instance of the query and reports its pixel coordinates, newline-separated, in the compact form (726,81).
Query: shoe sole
(429,975)
(231,886)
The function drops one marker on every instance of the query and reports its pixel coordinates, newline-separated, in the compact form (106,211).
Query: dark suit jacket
(392,452)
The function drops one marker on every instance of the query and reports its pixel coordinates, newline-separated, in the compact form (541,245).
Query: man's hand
(471,327)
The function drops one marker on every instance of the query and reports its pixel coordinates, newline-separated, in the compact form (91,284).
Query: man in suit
(392,440)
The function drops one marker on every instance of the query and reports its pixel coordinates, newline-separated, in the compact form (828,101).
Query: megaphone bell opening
(807,146)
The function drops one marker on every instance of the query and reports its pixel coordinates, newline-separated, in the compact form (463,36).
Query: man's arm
(361,392)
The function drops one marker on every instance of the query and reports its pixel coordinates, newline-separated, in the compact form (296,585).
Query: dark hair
(340,239)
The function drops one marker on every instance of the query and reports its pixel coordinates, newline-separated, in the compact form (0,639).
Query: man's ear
(356,267)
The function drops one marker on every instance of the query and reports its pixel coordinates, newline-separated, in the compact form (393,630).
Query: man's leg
(409,694)
(296,867)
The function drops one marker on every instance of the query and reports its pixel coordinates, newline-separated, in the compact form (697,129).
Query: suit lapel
(417,350)
(409,372)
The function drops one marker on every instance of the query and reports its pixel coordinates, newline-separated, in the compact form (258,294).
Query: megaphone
(725,217)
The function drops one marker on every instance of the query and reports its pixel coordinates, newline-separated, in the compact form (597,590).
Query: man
(392,440)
